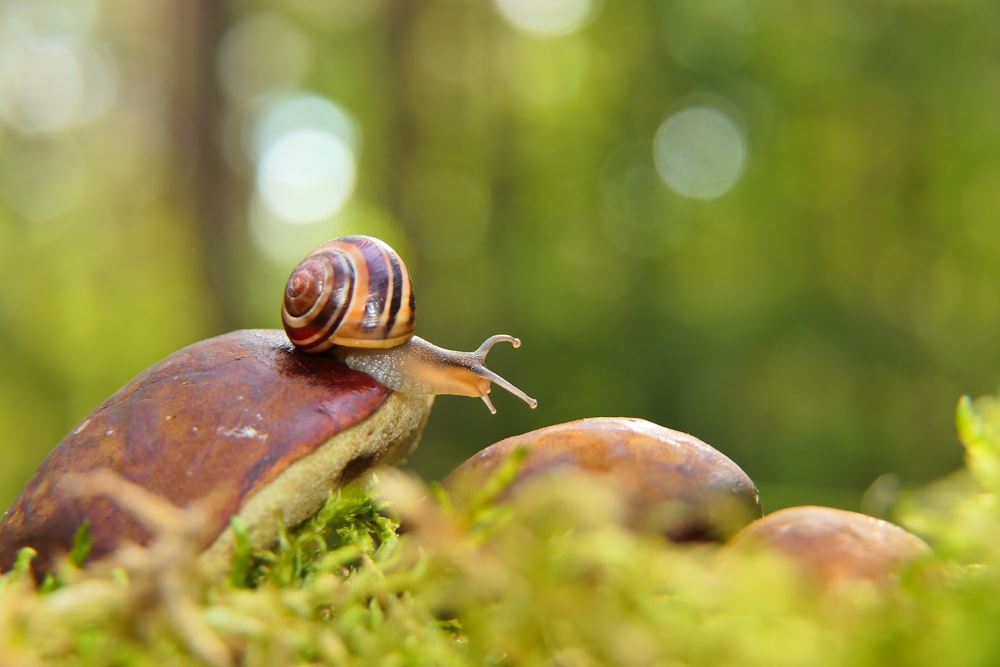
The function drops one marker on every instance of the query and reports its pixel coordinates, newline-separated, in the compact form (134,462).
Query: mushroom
(670,482)
(245,417)
(833,546)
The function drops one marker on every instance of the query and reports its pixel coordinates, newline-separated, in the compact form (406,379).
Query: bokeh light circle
(301,111)
(306,175)
(305,148)
(700,152)
(53,85)
(548,17)
(244,74)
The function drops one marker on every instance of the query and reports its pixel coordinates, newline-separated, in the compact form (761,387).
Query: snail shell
(352,291)
(352,297)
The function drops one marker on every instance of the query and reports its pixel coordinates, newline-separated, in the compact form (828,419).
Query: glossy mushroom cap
(831,546)
(243,416)
(670,482)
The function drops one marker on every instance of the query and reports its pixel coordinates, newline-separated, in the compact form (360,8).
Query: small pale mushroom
(243,418)
(670,482)
(833,546)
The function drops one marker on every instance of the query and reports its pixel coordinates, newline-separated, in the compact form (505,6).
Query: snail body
(352,298)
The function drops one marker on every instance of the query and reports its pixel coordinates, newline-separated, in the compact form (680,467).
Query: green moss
(392,574)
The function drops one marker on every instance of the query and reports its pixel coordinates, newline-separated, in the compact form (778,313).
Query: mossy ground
(392,574)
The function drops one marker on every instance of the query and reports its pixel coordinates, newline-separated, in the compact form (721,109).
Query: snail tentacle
(481,370)
(420,367)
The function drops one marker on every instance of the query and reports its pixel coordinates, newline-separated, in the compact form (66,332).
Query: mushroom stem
(420,367)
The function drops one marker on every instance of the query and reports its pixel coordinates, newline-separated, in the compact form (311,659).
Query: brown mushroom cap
(833,545)
(243,416)
(670,482)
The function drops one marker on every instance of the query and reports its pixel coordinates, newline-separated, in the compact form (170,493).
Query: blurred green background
(772,224)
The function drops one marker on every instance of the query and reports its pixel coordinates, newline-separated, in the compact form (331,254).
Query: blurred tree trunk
(402,18)
(203,176)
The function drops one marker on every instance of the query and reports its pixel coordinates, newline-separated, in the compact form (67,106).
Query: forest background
(772,224)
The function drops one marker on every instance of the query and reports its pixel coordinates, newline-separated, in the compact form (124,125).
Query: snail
(352,298)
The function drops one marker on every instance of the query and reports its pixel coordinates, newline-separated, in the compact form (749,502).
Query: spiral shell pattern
(352,291)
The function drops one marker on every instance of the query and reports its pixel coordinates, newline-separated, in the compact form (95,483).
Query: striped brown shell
(352,291)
